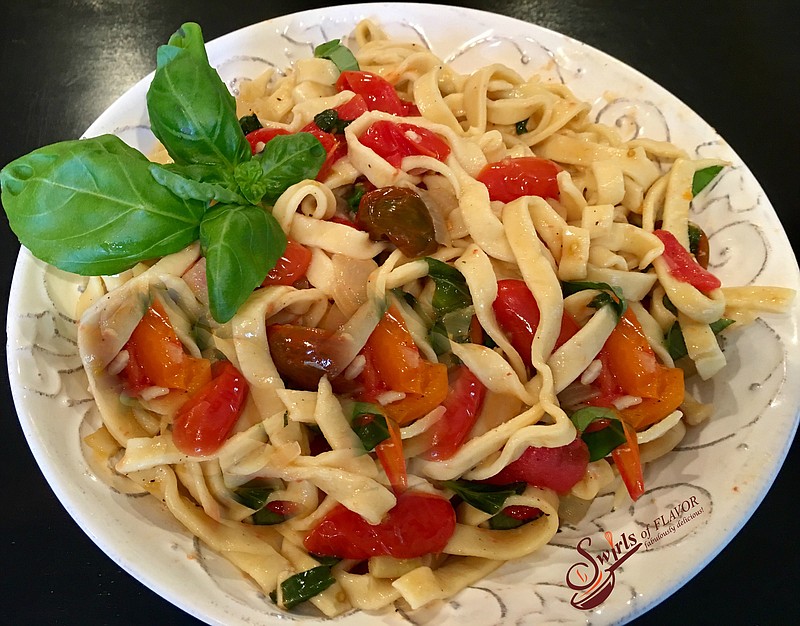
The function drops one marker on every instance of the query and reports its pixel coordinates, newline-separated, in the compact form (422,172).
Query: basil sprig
(483,496)
(603,441)
(97,206)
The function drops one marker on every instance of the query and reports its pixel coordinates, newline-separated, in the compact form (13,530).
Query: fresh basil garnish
(192,182)
(369,423)
(341,55)
(602,441)
(249,123)
(288,159)
(84,224)
(702,178)
(304,586)
(611,295)
(676,344)
(191,110)
(451,291)
(241,243)
(483,496)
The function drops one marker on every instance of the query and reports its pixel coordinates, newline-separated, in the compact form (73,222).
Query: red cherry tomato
(377,92)
(206,419)
(291,267)
(682,265)
(558,469)
(263,136)
(513,178)
(419,524)
(394,141)
(462,406)
(518,316)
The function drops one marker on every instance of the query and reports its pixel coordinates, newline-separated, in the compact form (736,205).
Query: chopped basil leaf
(451,291)
(329,561)
(703,177)
(668,305)
(329,121)
(611,295)
(484,497)
(521,127)
(304,586)
(249,123)
(676,345)
(369,423)
(600,442)
(695,234)
(354,199)
(253,494)
(341,56)
(267,517)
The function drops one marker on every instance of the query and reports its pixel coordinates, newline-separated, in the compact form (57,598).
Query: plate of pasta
(394,313)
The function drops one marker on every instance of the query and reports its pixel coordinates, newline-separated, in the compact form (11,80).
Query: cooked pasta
(513,278)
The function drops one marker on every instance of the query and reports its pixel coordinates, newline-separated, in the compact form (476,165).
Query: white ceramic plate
(694,504)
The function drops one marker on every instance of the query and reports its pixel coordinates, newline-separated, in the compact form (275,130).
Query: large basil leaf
(90,207)
(289,159)
(241,244)
(191,110)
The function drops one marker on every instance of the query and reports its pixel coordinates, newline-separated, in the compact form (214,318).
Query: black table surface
(63,62)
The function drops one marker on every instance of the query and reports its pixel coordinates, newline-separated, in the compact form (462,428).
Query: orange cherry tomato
(291,267)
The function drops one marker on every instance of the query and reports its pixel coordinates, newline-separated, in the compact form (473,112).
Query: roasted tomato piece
(399,215)
(513,178)
(302,355)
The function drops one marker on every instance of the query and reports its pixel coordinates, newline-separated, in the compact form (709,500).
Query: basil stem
(484,497)
(341,56)
(304,586)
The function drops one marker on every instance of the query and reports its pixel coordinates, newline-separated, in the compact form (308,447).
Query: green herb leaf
(354,199)
(267,517)
(185,181)
(521,127)
(676,344)
(241,244)
(253,494)
(334,51)
(369,423)
(703,177)
(600,442)
(289,159)
(484,497)
(329,121)
(451,291)
(99,223)
(191,110)
(249,123)
(612,295)
(695,234)
(304,586)
(251,180)
(453,326)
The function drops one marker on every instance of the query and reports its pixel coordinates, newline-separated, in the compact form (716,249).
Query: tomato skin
(513,178)
(462,406)
(518,316)
(291,267)
(156,357)
(302,355)
(206,419)
(263,136)
(558,468)
(522,512)
(419,524)
(399,215)
(390,454)
(628,462)
(683,266)
(394,141)
(378,93)
(630,367)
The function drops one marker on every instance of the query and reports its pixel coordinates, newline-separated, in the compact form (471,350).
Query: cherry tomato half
(377,92)
(394,141)
(399,215)
(291,267)
(513,178)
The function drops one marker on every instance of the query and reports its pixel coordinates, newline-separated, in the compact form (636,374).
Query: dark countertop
(63,62)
